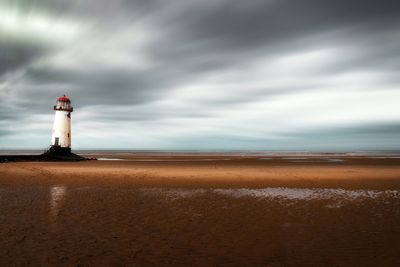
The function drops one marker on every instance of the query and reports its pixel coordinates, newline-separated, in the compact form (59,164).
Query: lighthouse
(61,137)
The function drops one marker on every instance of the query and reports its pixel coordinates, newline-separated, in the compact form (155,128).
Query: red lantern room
(63,103)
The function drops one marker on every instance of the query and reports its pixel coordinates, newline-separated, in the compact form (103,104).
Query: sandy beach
(164,209)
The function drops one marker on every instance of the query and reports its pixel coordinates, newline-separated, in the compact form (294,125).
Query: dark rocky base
(55,153)
(60,153)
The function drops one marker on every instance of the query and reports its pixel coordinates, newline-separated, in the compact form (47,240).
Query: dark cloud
(242,26)
(15,54)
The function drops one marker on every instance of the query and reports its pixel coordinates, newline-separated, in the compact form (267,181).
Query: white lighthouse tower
(61,137)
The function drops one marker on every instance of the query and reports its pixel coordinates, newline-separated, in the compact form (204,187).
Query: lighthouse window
(68,134)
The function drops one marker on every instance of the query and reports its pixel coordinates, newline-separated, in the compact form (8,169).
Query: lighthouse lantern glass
(63,105)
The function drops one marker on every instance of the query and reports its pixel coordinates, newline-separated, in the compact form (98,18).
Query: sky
(202,74)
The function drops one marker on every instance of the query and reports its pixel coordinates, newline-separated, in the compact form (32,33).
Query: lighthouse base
(58,151)
(61,153)
(54,153)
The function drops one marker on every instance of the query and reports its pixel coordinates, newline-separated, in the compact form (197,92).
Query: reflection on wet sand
(276,193)
(57,199)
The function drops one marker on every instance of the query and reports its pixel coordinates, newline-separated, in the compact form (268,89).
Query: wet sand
(202,210)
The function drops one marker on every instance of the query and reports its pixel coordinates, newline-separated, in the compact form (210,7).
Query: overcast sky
(202,74)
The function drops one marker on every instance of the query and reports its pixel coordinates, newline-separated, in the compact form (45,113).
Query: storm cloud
(202,74)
